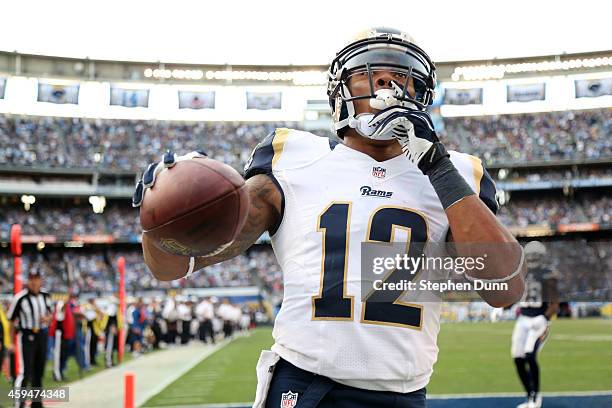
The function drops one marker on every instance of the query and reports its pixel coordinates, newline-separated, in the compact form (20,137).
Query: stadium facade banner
(196,100)
(34,239)
(130,98)
(470,96)
(532,231)
(264,100)
(592,88)
(578,227)
(2,87)
(526,92)
(84,239)
(54,93)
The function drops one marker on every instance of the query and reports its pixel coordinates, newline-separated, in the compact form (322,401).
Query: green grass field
(474,358)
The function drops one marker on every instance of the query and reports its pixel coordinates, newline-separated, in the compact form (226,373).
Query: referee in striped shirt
(30,314)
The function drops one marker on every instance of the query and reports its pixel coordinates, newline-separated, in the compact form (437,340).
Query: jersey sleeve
(267,153)
(286,149)
(262,156)
(472,170)
(15,308)
(262,161)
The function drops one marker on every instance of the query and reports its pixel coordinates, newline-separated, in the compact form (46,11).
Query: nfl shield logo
(379,172)
(288,399)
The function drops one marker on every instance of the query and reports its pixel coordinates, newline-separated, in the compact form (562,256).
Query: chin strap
(350,107)
(191,267)
(363,123)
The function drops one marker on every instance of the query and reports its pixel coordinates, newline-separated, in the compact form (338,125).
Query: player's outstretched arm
(474,228)
(264,214)
(473,224)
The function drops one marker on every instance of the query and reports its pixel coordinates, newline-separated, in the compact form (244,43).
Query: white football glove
(414,131)
(169,159)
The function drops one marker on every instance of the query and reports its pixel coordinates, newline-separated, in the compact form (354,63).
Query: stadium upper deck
(176,73)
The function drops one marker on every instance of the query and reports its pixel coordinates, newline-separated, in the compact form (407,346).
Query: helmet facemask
(412,85)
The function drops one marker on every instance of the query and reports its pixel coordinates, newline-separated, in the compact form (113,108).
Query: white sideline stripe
(586,337)
(145,396)
(520,394)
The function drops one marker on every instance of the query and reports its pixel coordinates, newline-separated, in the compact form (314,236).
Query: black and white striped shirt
(29,308)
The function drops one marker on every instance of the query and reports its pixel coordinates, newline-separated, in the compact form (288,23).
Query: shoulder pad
(285,149)
(472,170)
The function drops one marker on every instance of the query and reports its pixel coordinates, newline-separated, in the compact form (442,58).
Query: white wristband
(504,279)
(191,266)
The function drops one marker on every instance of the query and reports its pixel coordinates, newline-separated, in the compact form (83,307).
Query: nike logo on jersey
(368,191)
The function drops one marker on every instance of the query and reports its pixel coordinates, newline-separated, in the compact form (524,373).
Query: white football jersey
(335,198)
(204,310)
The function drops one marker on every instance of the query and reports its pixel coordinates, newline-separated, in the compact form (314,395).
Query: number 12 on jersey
(332,302)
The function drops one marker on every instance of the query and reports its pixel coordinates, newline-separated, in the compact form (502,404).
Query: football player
(539,304)
(331,349)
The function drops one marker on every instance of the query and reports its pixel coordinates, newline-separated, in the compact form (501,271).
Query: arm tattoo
(263,214)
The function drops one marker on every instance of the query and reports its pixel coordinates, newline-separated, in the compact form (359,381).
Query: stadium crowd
(535,136)
(121,144)
(531,175)
(582,264)
(584,269)
(93,271)
(549,211)
(258,267)
(131,144)
(122,222)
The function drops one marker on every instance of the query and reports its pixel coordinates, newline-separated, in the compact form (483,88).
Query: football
(196,208)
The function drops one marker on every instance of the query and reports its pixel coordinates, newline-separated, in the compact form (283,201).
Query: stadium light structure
(98,203)
(159,73)
(297,77)
(503,197)
(28,201)
(484,72)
